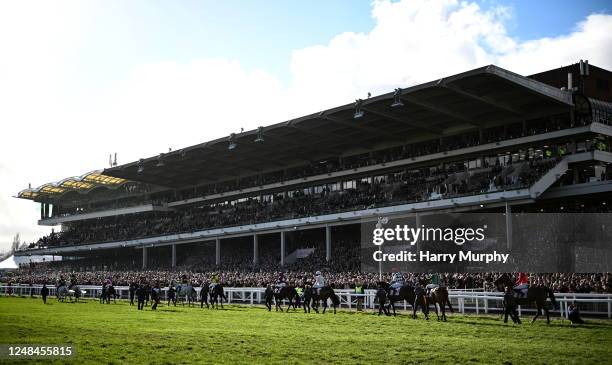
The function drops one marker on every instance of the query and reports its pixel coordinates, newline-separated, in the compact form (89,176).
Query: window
(319,189)
(334,186)
(350,184)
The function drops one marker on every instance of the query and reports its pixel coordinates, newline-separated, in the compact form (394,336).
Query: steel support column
(328,243)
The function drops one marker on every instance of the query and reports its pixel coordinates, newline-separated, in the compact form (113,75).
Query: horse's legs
(443,310)
(436,309)
(538,310)
(547,314)
(425,308)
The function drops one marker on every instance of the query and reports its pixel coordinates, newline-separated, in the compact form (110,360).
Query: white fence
(462,301)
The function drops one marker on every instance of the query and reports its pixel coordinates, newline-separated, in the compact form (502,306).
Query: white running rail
(463,301)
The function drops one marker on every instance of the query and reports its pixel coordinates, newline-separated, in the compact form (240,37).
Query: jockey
(522,284)
(434,282)
(73,281)
(397,282)
(214,280)
(319,282)
(280,283)
(61,282)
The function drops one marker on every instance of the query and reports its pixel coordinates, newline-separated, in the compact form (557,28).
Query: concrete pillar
(508,227)
(327,243)
(576,175)
(173,260)
(282,253)
(217,251)
(144,257)
(255,250)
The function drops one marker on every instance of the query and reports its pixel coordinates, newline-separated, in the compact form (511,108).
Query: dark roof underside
(481,97)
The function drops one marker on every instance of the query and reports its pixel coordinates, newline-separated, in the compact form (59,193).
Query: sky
(82,79)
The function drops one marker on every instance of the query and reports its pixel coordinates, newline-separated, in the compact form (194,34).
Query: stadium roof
(81,184)
(481,97)
(474,98)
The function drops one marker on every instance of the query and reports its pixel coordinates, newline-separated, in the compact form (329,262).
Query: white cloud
(591,39)
(53,127)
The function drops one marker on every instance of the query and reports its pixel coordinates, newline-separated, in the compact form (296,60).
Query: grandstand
(292,196)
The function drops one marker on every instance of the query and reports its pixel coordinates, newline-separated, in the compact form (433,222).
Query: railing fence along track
(463,301)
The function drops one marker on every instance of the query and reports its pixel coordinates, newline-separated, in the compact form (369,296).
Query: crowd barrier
(463,301)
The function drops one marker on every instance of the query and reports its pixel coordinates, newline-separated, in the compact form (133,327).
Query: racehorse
(269,297)
(535,294)
(439,297)
(72,292)
(186,293)
(204,295)
(406,292)
(287,292)
(171,295)
(62,293)
(325,293)
(108,292)
(306,297)
(216,295)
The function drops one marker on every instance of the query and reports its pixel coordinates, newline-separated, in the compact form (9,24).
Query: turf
(118,333)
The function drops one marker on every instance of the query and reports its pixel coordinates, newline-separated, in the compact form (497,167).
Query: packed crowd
(406,186)
(559,282)
(330,165)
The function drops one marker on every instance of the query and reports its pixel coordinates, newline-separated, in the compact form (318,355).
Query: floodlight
(260,137)
(397,98)
(358,112)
